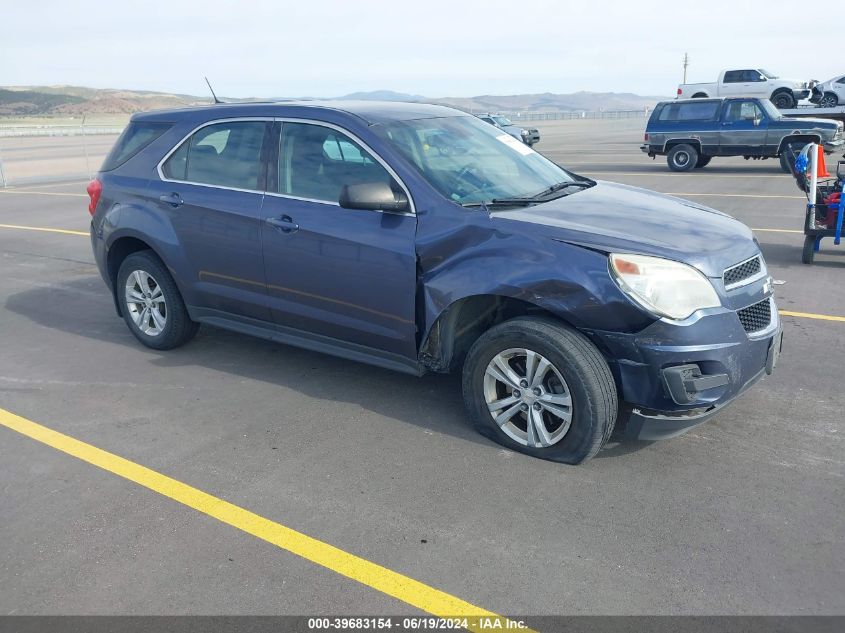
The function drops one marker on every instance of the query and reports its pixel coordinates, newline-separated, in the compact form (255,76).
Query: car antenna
(216,100)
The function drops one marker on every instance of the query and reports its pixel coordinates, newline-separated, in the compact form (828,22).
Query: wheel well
(460,325)
(700,95)
(680,141)
(119,251)
(806,138)
(781,90)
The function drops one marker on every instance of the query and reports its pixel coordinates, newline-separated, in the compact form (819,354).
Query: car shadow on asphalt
(81,306)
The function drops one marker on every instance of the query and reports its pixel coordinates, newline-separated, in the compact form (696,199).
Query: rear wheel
(699,95)
(702,161)
(783,100)
(784,161)
(151,303)
(682,157)
(829,100)
(540,388)
(809,251)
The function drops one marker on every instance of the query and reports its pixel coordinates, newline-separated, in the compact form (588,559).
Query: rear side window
(223,154)
(692,111)
(733,76)
(136,136)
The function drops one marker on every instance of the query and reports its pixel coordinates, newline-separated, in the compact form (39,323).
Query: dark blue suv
(419,238)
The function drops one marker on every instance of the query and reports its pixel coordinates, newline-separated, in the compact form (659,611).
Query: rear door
(740,135)
(211,189)
(345,274)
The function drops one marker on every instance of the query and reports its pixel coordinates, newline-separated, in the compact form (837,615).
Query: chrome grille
(735,275)
(756,317)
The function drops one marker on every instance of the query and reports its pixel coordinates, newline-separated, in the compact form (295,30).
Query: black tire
(702,161)
(784,163)
(783,100)
(829,100)
(178,328)
(682,157)
(809,251)
(587,378)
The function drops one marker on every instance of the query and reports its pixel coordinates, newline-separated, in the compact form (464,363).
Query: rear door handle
(173,199)
(285,224)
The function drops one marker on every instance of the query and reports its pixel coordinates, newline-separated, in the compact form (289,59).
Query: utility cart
(825,199)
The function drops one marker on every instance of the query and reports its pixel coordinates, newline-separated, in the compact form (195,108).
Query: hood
(610,217)
(805,122)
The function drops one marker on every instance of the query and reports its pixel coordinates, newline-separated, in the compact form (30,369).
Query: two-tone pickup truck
(690,132)
(751,82)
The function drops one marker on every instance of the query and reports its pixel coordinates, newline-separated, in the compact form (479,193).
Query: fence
(568,115)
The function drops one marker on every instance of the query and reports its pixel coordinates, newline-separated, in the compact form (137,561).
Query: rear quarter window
(704,111)
(136,136)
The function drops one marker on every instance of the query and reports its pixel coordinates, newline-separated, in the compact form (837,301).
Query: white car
(750,82)
(830,93)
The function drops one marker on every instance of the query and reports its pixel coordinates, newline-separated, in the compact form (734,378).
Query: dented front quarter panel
(464,252)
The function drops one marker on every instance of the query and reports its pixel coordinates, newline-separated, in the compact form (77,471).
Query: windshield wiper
(528,200)
(500,202)
(562,185)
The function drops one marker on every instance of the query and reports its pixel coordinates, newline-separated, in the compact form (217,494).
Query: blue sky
(429,47)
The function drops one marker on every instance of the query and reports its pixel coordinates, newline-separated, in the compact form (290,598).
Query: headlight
(524,132)
(663,286)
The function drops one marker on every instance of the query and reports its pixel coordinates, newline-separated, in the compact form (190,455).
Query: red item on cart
(830,216)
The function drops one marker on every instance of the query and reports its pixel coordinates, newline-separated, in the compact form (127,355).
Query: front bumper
(672,377)
(832,146)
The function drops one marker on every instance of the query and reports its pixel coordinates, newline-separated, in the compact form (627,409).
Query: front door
(345,274)
(743,129)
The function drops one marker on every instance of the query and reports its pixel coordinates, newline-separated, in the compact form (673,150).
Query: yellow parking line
(380,578)
(663,174)
(26,192)
(734,195)
(810,315)
(43,229)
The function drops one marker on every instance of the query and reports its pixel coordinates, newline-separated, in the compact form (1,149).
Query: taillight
(680,92)
(645,137)
(95,188)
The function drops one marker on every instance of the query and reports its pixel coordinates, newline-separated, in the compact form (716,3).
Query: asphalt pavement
(743,515)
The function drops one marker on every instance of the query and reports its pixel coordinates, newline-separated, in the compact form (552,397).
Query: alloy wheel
(145,302)
(528,397)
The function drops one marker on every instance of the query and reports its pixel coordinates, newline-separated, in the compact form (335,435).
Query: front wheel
(540,388)
(829,100)
(682,157)
(783,100)
(151,303)
(809,252)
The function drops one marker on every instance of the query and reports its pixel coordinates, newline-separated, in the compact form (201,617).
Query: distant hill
(78,101)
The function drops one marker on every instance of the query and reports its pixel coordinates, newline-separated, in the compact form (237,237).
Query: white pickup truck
(749,82)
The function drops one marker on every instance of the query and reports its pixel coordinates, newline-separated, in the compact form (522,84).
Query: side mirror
(373,196)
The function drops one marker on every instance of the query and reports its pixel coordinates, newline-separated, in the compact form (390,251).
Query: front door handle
(173,199)
(285,224)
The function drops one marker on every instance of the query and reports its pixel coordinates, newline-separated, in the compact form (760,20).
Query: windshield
(469,161)
(502,120)
(767,73)
(771,111)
